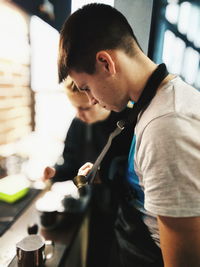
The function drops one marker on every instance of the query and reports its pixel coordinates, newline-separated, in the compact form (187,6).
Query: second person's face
(85,111)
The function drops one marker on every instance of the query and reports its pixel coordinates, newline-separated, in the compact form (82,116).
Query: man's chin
(111,108)
(118,109)
(115,109)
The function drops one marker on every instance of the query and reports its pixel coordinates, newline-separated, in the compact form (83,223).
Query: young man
(99,51)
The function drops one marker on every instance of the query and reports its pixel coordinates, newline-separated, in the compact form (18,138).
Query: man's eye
(85,89)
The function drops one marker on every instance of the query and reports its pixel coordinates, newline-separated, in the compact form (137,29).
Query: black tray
(10,212)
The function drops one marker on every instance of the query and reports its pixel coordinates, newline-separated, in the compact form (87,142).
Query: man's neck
(143,68)
(166,80)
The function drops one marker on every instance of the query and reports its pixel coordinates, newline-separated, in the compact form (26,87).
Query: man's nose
(91,98)
(93,101)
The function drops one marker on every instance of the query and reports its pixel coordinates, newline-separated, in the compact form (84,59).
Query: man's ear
(105,60)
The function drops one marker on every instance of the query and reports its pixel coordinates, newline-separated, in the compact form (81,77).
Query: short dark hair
(92,28)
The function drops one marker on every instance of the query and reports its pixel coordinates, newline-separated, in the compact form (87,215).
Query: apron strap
(147,95)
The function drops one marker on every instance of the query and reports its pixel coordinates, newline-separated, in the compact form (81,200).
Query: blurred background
(35,114)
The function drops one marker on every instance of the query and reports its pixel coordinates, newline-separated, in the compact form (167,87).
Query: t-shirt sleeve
(168,162)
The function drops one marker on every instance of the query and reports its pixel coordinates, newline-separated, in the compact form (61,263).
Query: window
(175,38)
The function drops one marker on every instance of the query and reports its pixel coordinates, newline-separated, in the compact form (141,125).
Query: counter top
(63,237)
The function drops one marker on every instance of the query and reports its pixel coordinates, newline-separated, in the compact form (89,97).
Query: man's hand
(49,172)
(180,241)
(85,169)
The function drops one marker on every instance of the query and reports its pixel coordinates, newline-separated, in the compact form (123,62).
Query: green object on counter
(13,188)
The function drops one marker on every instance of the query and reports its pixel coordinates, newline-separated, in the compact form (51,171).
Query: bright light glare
(14,34)
(44,54)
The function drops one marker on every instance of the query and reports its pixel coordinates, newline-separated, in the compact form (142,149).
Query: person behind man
(100,52)
(86,136)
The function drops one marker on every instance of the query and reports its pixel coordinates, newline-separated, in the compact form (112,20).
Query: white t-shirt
(167,153)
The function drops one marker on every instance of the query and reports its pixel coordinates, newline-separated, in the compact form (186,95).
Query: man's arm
(180,241)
